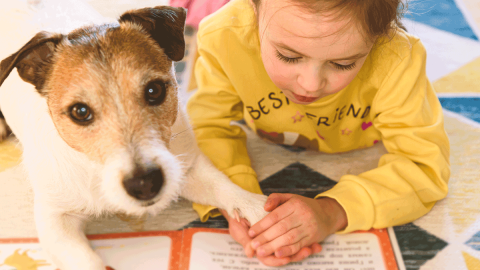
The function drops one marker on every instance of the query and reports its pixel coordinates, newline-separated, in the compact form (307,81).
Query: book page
(127,251)
(357,251)
(142,253)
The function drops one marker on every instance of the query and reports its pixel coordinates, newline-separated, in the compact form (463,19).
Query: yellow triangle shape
(465,79)
(471,262)
(463,200)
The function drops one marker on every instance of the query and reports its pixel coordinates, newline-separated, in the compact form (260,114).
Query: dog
(102,130)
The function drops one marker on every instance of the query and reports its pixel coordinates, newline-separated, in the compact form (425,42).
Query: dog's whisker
(178,133)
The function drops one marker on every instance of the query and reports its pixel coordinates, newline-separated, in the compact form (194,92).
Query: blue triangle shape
(474,242)
(466,106)
(441,14)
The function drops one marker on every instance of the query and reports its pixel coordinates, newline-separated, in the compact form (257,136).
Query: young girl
(339,74)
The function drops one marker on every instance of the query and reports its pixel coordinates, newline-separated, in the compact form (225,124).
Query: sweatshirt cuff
(356,202)
(243,176)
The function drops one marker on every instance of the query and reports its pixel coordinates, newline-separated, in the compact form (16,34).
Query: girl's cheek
(280,75)
(281,78)
(340,81)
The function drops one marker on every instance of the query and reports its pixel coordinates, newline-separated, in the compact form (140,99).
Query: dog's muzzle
(146,186)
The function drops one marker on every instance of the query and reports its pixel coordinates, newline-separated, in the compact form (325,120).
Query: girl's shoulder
(235,15)
(397,47)
(389,53)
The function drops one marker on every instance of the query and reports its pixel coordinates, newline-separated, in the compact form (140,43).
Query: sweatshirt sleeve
(211,109)
(413,175)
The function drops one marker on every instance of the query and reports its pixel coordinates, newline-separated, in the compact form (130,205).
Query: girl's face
(309,56)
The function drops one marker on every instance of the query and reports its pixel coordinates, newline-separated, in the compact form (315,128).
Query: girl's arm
(211,110)
(415,172)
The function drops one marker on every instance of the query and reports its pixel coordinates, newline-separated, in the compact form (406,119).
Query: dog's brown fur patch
(108,68)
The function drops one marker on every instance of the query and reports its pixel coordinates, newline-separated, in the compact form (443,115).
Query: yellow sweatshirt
(390,100)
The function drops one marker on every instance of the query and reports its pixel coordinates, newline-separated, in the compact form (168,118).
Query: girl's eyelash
(287,59)
(295,60)
(345,67)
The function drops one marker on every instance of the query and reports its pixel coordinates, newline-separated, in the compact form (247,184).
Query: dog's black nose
(145,186)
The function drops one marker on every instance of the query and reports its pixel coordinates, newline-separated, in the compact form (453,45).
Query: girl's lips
(303,98)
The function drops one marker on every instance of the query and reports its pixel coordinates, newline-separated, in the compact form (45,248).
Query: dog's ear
(32,60)
(165,25)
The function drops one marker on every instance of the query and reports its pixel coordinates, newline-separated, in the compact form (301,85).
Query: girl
(342,75)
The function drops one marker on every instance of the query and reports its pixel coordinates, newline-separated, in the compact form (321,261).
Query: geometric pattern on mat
(466,106)
(441,14)
(296,178)
(474,242)
(417,245)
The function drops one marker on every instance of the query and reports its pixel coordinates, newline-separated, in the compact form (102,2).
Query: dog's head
(112,95)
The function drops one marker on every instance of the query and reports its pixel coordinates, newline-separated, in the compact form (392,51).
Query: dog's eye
(81,113)
(155,93)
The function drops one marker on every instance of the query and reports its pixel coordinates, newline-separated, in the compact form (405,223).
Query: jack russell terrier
(102,131)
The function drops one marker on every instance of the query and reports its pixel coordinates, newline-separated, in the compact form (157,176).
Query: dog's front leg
(207,185)
(63,239)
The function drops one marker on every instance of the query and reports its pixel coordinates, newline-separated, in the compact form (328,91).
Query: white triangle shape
(446,52)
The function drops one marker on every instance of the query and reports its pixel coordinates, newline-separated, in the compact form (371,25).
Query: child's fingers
(292,241)
(270,220)
(283,227)
(276,199)
(306,251)
(302,254)
(292,249)
(249,251)
(239,232)
(274,261)
(316,248)
(245,223)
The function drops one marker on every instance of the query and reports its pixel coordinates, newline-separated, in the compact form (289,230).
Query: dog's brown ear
(32,60)
(165,24)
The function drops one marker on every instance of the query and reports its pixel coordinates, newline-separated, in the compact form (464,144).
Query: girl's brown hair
(377,17)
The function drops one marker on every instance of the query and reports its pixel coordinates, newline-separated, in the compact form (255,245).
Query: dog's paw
(250,208)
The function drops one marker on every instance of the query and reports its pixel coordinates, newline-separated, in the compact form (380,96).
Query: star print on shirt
(346,131)
(299,119)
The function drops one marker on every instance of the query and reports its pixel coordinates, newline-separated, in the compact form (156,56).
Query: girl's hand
(272,260)
(295,223)
(239,232)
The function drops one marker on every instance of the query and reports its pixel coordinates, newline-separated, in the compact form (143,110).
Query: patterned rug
(446,238)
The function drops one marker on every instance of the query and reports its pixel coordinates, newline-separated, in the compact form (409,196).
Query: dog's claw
(237,217)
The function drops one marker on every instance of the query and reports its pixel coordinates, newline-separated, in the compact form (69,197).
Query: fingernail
(278,254)
(255,244)
(251,233)
(260,252)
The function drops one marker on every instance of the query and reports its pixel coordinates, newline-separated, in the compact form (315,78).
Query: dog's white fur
(69,187)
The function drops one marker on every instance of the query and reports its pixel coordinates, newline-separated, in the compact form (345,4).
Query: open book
(210,249)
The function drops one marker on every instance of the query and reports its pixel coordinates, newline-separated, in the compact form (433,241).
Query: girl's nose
(311,79)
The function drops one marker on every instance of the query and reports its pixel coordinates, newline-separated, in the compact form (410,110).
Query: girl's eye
(344,67)
(287,59)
